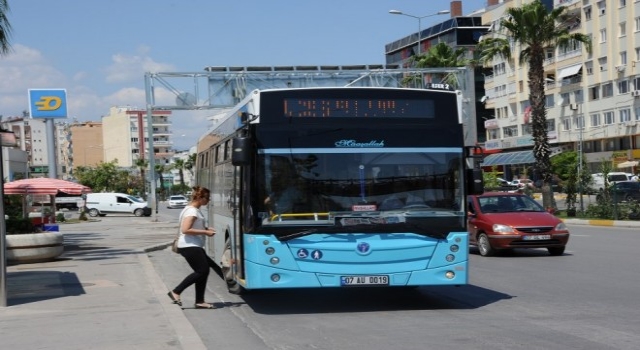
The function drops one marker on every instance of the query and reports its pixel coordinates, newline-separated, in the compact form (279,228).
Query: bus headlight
(275,260)
(448,274)
(270,250)
(454,248)
(275,277)
(450,257)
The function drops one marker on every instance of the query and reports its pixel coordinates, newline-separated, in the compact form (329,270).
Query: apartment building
(593,100)
(87,144)
(31,137)
(458,31)
(125,136)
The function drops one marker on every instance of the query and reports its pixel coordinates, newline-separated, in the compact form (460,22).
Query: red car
(502,220)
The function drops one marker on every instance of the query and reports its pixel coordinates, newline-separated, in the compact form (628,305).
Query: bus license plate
(364,280)
(536,237)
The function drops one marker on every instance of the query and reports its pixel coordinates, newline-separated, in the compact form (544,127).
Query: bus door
(236,240)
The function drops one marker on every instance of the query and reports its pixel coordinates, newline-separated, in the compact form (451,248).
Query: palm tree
(142,165)
(191,163)
(179,164)
(160,169)
(5,28)
(440,55)
(535,30)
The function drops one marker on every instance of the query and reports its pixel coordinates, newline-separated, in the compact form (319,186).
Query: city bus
(339,187)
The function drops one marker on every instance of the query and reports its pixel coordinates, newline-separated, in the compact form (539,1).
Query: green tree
(534,30)
(142,165)
(160,169)
(5,28)
(190,164)
(107,177)
(179,164)
(440,55)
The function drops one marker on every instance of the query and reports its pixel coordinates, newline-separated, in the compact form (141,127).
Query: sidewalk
(102,293)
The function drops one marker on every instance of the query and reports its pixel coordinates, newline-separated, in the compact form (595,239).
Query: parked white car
(177,202)
(522,183)
(99,204)
(597,183)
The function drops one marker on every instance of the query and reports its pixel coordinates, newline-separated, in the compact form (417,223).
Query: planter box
(34,247)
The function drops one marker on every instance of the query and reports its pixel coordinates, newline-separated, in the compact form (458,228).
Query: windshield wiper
(293,235)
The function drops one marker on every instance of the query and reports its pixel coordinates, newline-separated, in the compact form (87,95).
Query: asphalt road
(585,299)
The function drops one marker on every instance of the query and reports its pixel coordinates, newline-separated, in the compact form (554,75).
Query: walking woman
(191,247)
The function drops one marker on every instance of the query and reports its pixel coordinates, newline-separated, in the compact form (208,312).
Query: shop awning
(518,157)
(521,157)
(628,164)
(569,71)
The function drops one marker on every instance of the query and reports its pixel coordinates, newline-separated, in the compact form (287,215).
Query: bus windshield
(352,187)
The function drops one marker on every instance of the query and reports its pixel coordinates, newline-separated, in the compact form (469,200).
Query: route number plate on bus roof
(364,280)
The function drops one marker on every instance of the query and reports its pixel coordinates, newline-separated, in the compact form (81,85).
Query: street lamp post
(419,18)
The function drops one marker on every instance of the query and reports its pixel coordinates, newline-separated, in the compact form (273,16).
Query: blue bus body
(338,187)
(318,260)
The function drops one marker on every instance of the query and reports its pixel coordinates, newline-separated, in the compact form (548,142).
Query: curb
(606,223)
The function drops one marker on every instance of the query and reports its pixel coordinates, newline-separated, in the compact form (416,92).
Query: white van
(597,182)
(99,204)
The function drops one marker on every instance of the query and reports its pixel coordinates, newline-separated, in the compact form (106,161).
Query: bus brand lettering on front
(356,144)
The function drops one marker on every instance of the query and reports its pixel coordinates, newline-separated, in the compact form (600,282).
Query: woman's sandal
(172,295)
(205,306)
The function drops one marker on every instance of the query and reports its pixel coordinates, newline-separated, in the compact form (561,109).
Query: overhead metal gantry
(221,87)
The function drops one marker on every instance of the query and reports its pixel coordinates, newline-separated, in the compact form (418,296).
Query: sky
(99,51)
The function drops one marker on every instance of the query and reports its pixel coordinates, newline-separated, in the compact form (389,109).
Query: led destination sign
(358,108)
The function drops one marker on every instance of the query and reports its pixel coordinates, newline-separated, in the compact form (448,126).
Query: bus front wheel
(227,270)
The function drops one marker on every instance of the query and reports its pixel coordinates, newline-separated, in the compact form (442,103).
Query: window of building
(578,96)
(594,93)
(499,69)
(623,3)
(636,83)
(579,122)
(602,7)
(595,120)
(549,101)
(526,129)
(589,67)
(607,90)
(587,13)
(622,29)
(623,57)
(602,61)
(623,87)
(625,115)
(637,24)
(609,118)
(510,131)
(551,125)
(637,113)
(564,99)
(493,134)
(603,35)
(566,124)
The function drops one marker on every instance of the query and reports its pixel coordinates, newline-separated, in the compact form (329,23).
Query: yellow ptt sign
(49,103)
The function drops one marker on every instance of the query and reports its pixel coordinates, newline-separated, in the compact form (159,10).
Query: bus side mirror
(240,151)
(475,181)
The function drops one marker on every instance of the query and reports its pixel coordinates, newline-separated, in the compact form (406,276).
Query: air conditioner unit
(621,68)
(573,106)
(635,93)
